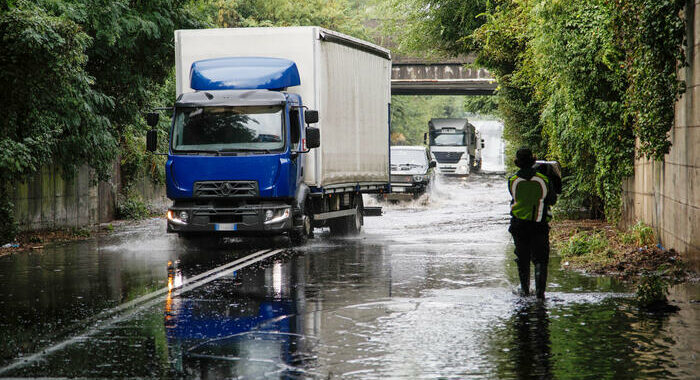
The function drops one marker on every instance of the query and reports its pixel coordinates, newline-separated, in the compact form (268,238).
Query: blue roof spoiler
(243,73)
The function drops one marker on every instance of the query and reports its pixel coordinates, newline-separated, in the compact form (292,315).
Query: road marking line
(142,303)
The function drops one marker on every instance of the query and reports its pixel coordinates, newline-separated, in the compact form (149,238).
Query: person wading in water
(533,195)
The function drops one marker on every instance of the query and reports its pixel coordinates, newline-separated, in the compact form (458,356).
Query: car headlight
(418,178)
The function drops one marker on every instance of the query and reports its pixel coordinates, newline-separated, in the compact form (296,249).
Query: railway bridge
(411,76)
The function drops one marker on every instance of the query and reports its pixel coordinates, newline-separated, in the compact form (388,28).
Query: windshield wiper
(235,150)
(410,165)
(192,151)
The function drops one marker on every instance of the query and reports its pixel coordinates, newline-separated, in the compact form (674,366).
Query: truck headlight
(462,169)
(276,216)
(418,178)
(177,218)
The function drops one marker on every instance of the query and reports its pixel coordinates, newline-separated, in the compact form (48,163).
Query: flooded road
(426,291)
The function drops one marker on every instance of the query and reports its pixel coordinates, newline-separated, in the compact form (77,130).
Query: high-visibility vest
(529,198)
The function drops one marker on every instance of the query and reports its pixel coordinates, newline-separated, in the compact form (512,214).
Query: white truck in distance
(455,145)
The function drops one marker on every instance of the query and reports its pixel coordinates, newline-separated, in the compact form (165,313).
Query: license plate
(225,226)
(398,189)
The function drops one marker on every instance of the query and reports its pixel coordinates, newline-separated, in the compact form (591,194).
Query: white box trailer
(346,79)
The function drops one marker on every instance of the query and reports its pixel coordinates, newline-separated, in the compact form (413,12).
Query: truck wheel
(339,226)
(351,224)
(347,225)
(355,222)
(299,236)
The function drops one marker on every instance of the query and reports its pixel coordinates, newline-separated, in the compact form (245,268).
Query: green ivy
(81,74)
(651,35)
(579,81)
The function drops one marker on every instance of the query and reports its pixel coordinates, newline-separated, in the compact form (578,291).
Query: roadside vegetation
(597,247)
(579,81)
(410,115)
(82,74)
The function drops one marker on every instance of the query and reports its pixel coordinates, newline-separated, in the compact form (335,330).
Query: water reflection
(249,325)
(610,339)
(532,353)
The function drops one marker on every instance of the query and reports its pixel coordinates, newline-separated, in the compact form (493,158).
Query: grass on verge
(598,247)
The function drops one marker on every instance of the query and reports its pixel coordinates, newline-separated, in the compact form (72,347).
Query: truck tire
(475,164)
(347,225)
(338,227)
(354,222)
(299,236)
(351,224)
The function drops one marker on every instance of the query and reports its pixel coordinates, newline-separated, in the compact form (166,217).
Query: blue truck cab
(235,157)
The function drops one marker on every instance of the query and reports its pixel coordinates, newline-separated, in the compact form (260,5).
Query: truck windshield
(408,157)
(447,138)
(228,129)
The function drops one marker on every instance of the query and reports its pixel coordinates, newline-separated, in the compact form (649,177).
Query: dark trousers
(531,244)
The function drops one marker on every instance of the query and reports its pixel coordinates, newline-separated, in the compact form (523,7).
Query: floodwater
(426,291)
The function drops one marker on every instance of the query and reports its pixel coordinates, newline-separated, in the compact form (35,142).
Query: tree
(81,73)
(579,81)
(52,112)
(410,116)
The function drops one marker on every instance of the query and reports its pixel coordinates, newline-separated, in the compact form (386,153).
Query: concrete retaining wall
(666,194)
(48,200)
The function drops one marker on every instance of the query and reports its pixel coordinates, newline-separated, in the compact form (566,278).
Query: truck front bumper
(408,188)
(459,169)
(259,219)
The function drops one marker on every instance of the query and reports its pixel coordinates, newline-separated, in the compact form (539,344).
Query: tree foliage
(80,73)
(434,27)
(339,15)
(410,116)
(579,81)
(486,105)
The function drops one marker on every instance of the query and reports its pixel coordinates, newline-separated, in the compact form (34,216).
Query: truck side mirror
(432,164)
(152,140)
(311,116)
(313,137)
(152,119)
(425,138)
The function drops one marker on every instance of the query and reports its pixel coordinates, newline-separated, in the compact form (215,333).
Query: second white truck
(455,145)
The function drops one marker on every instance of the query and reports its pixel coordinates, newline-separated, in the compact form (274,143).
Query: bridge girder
(451,78)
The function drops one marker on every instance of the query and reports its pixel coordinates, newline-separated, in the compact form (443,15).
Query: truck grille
(401,178)
(226,189)
(448,157)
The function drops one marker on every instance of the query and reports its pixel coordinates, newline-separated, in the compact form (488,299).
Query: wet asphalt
(426,291)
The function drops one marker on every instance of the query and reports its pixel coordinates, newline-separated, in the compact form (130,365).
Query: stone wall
(665,194)
(48,200)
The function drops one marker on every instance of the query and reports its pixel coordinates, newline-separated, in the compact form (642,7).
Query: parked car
(411,172)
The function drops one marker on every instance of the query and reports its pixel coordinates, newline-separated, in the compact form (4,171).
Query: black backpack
(552,170)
